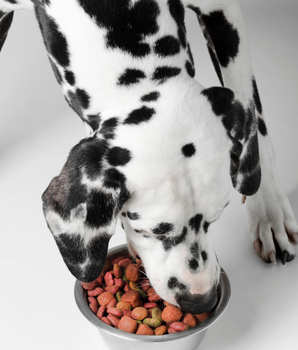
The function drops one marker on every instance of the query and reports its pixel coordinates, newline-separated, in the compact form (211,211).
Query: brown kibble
(122,257)
(143,329)
(105,298)
(160,330)
(124,263)
(132,272)
(117,271)
(202,317)
(139,313)
(127,324)
(190,320)
(130,296)
(123,305)
(137,303)
(171,314)
(133,285)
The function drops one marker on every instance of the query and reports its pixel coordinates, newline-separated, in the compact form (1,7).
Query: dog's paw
(272,225)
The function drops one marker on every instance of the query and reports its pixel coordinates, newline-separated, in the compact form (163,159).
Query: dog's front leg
(271,222)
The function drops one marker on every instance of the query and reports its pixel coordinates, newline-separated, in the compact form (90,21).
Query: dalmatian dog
(162,152)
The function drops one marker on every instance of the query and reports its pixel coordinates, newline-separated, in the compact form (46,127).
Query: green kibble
(156,314)
(152,322)
(142,293)
(119,296)
(125,279)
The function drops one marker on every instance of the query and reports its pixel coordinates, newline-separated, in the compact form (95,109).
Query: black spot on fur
(108,128)
(204,255)
(133,216)
(54,40)
(188,150)
(117,156)
(262,127)
(113,179)
(240,124)
(193,264)
(195,222)
(139,115)
(256,96)
(153,96)
(163,228)
(194,250)
(206,226)
(131,76)
(127,24)
(164,73)
(190,69)
(177,12)
(83,98)
(174,283)
(224,36)
(167,46)
(172,241)
(101,208)
(70,78)
(123,214)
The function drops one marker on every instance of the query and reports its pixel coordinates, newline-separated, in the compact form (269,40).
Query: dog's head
(167,222)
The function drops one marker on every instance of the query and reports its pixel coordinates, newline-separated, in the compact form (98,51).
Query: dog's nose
(197,303)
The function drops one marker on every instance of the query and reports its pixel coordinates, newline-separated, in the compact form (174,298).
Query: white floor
(37,130)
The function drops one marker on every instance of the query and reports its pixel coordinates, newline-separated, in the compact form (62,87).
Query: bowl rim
(224,300)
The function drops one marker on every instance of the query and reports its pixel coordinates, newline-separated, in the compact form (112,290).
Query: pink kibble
(101,311)
(94,308)
(114,311)
(95,292)
(112,303)
(106,320)
(114,320)
(108,278)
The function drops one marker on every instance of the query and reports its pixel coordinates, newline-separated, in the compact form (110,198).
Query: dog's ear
(80,206)
(241,127)
(5,23)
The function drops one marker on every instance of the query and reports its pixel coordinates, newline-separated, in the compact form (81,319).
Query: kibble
(122,298)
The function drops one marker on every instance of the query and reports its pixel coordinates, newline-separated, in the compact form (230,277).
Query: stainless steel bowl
(116,339)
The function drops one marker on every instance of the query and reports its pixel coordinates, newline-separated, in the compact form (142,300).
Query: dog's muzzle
(197,303)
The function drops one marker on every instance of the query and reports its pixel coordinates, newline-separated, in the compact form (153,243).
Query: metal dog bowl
(116,339)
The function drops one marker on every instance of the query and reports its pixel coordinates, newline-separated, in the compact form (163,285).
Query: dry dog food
(122,297)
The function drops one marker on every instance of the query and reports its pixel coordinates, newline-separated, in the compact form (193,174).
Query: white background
(37,130)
